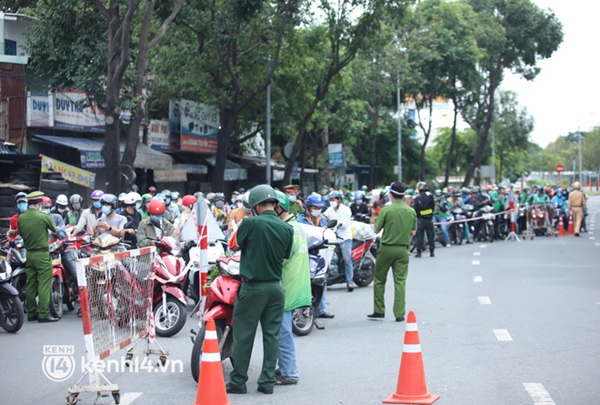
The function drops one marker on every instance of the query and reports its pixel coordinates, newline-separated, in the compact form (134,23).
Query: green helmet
(260,194)
(146,197)
(284,201)
(409,191)
(437,192)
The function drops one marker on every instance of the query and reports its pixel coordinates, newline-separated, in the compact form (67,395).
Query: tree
(591,150)
(515,35)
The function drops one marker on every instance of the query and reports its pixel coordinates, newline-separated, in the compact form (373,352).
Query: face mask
(106,209)
(315,213)
(359,202)
(61,210)
(239,204)
(156,220)
(292,197)
(167,201)
(45,211)
(138,206)
(97,204)
(76,207)
(22,207)
(333,204)
(219,204)
(247,210)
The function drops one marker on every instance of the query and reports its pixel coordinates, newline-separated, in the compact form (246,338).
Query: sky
(565,96)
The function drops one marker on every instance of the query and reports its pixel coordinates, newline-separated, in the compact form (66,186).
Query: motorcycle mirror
(332,224)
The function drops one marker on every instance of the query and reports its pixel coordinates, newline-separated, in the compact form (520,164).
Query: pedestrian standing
(295,280)
(423,206)
(577,206)
(33,226)
(265,241)
(399,223)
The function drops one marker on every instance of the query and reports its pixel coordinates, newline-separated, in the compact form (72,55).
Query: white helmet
(136,196)
(62,200)
(129,199)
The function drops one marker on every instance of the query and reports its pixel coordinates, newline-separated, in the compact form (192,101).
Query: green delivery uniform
(265,241)
(33,226)
(397,221)
(296,208)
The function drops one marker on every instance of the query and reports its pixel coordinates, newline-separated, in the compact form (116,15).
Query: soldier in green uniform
(265,241)
(291,190)
(399,223)
(33,226)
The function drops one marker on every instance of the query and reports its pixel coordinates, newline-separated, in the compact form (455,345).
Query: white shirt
(343,215)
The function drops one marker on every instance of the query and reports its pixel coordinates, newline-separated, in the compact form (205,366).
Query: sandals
(284,381)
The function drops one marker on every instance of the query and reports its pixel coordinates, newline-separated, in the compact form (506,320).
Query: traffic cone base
(412,387)
(211,384)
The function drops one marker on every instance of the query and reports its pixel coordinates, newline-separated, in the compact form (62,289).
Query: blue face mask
(22,207)
(106,209)
(138,206)
(167,201)
(97,204)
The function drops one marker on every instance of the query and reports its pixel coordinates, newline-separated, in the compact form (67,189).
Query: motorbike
(220,298)
(12,314)
(486,230)
(191,254)
(456,225)
(62,288)
(538,219)
(303,319)
(16,256)
(169,299)
(364,253)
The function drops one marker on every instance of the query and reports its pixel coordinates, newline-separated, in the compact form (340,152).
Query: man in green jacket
(33,227)
(295,280)
(265,241)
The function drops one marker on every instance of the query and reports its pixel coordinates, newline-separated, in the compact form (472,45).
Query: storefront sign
(191,169)
(193,126)
(170,176)
(336,155)
(69,113)
(158,134)
(69,173)
(39,110)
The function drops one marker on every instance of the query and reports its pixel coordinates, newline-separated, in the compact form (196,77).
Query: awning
(233,171)
(91,157)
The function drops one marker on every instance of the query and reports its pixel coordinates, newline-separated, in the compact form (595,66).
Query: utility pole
(268,136)
(580,161)
(494,153)
(399,131)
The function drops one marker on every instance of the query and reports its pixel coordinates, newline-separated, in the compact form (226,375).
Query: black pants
(425,225)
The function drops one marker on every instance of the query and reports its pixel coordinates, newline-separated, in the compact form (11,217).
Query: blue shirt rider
(313,214)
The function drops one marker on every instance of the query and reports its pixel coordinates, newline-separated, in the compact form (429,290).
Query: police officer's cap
(35,196)
(292,187)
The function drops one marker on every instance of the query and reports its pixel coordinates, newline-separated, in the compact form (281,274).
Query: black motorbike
(11,307)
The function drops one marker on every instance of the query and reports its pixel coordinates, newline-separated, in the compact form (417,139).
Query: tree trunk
(228,119)
(373,156)
(452,146)
(426,131)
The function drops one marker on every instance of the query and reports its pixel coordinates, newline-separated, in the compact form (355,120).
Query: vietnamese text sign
(158,134)
(170,176)
(193,126)
(69,173)
(39,111)
(336,155)
(69,113)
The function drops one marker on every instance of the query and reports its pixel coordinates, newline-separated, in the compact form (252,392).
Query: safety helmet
(175,195)
(210,196)
(122,197)
(156,207)
(315,200)
(161,196)
(188,200)
(548,190)
(97,194)
(146,197)
(260,194)
(284,201)
(46,202)
(335,194)
(20,197)
(241,190)
(489,187)
(152,189)
(437,192)
(75,198)
(129,199)
(135,188)
(476,189)
(219,197)
(500,185)
(62,200)
(246,199)
(364,188)
(167,193)
(421,186)
(409,191)
(136,196)
(110,199)
(357,195)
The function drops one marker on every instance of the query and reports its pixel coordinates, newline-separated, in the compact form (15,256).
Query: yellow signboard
(170,176)
(69,173)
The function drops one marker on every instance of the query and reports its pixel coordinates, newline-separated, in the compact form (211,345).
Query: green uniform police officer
(33,226)
(265,241)
(399,223)
(291,190)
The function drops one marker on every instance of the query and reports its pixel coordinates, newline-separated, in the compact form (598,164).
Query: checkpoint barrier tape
(476,218)
(115,292)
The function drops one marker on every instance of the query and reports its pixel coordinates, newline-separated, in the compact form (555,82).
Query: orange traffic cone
(571,230)
(412,388)
(561,227)
(211,384)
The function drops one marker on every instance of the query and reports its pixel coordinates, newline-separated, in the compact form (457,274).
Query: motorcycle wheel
(56,298)
(19,283)
(303,321)
(459,235)
(503,230)
(11,313)
(364,276)
(489,229)
(225,347)
(174,320)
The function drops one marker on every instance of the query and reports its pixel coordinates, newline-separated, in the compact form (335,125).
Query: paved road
(501,323)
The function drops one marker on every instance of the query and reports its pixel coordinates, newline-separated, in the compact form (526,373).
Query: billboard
(39,110)
(194,127)
(336,155)
(69,113)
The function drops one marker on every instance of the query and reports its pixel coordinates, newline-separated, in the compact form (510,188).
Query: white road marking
(591,233)
(476,253)
(475,262)
(538,394)
(592,238)
(597,243)
(483,246)
(478,279)
(502,335)
(484,300)
(129,397)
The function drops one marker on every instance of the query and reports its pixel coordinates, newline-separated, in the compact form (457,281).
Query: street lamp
(399,131)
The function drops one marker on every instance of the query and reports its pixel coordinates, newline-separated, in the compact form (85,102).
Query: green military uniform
(33,226)
(397,221)
(295,208)
(265,241)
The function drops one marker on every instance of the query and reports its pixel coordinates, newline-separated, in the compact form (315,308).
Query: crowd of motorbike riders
(446,216)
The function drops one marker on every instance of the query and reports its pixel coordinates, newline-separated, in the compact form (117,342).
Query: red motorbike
(220,298)
(62,287)
(169,300)
(363,257)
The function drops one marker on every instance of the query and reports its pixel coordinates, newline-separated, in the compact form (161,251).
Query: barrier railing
(115,292)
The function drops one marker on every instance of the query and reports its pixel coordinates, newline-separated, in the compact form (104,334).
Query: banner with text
(70,173)
(69,112)
(336,155)
(193,126)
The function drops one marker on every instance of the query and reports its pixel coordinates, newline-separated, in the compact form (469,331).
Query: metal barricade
(115,292)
